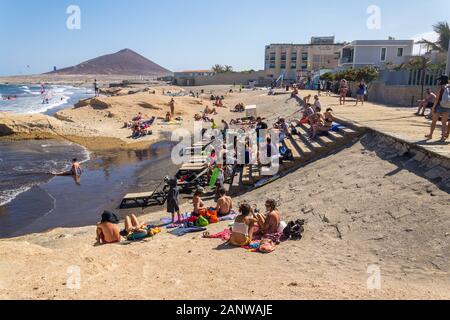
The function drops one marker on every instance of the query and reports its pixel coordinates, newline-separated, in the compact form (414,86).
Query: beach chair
(146,199)
(196,178)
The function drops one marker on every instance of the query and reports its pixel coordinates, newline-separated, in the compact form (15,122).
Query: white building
(375,53)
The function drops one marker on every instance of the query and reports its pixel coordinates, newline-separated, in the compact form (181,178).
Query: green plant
(443,30)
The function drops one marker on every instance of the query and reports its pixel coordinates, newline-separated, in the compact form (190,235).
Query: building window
(400,52)
(283,66)
(383,54)
(272,66)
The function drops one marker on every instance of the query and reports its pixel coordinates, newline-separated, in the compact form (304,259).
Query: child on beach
(173,201)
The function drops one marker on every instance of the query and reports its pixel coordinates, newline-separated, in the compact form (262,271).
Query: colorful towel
(225,235)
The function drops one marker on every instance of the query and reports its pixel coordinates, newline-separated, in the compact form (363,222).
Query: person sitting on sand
(224,203)
(317,122)
(213,124)
(242,230)
(108,231)
(272,219)
(168,117)
(198,117)
(138,118)
(197,201)
(307,99)
(325,122)
(210,110)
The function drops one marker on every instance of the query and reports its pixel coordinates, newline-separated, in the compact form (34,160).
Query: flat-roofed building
(377,53)
(187,77)
(295,60)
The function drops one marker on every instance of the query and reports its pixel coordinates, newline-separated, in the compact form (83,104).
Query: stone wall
(240,78)
(395,94)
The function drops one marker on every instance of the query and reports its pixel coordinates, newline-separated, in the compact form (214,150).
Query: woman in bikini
(343,92)
(242,231)
(271,222)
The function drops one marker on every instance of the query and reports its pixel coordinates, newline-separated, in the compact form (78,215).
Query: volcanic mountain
(124,62)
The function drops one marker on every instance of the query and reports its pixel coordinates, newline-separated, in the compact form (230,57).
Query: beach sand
(358,213)
(362,207)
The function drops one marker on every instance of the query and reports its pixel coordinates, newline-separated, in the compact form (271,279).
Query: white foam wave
(9,195)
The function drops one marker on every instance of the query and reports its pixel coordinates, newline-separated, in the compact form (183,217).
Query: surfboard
(214,176)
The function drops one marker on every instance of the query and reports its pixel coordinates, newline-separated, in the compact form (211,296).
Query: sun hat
(110,217)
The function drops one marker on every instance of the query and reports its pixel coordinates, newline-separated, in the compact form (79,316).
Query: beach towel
(225,235)
(230,217)
(183,231)
(336,127)
(184,218)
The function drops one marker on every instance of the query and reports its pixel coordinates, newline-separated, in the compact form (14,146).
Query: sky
(194,34)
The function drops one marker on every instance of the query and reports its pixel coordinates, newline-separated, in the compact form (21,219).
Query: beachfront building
(377,53)
(186,78)
(295,61)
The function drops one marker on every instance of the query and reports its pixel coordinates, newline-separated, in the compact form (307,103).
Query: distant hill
(124,62)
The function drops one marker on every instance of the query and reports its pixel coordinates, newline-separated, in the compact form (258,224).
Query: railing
(427,77)
(347,60)
(410,77)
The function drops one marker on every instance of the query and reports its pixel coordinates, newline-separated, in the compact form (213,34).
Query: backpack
(445,101)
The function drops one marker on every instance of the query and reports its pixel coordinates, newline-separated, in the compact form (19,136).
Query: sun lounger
(145,199)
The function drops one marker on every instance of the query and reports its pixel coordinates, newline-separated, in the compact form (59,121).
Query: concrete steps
(304,149)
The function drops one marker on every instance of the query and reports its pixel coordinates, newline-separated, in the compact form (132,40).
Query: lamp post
(447,70)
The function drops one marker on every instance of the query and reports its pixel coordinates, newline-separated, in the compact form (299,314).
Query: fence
(411,77)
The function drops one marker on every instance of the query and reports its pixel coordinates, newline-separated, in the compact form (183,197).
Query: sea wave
(7,196)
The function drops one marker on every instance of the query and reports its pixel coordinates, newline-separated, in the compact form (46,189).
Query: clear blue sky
(191,34)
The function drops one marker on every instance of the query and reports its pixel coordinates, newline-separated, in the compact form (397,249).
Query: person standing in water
(75,172)
(97,93)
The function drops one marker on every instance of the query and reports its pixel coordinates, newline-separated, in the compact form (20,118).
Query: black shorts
(430,105)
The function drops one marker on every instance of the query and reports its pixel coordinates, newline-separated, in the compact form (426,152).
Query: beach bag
(213,219)
(201,222)
(203,212)
(445,102)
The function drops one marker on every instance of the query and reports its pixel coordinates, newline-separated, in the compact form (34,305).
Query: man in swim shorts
(224,203)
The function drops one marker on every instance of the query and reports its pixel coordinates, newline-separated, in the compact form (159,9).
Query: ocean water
(29,99)
(52,202)
(25,164)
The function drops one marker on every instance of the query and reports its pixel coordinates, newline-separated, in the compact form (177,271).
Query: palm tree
(443,30)
(218,68)
(228,69)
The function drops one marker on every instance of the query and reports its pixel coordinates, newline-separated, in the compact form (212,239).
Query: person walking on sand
(441,109)
(343,90)
(173,199)
(361,93)
(172,107)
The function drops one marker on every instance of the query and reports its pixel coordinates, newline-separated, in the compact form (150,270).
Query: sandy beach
(364,206)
